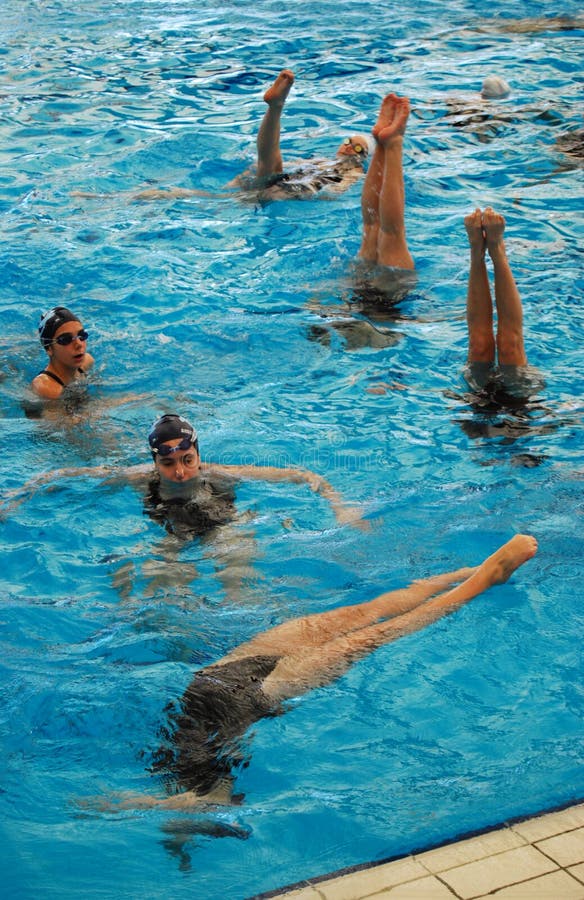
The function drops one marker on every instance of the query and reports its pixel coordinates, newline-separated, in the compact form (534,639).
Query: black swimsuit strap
(53,376)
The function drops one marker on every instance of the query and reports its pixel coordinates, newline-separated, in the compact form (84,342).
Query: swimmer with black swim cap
(63,337)
(171,433)
(179,480)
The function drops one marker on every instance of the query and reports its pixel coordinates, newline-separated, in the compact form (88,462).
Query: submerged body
(207,502)
(202,746)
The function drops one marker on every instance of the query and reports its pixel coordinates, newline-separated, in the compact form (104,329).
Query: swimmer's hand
(352,515)
(344,514)
(382,387)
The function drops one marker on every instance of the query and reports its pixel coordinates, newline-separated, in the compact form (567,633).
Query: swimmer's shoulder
(87,364)
(312,177)
(47,386)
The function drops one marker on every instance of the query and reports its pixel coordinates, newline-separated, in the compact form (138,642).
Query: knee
(510,348)
(481,348)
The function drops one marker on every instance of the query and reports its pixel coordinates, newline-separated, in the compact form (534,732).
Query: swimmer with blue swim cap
(65,340)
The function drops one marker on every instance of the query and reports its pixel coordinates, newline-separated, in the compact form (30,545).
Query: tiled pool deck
(532,859)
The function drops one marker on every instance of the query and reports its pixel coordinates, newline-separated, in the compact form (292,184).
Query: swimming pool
(207,306)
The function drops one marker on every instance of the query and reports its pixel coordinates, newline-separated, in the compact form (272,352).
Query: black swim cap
(169,428)
(52,321)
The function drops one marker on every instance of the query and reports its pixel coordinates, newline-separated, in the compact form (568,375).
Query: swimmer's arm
(343,513)
(348,180)
(170,194)
(109,474)
(220,795)
(149,194)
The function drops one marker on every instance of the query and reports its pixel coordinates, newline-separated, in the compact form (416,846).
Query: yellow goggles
(358,148)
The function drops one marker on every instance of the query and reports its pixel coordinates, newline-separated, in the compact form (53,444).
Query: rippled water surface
(221,309)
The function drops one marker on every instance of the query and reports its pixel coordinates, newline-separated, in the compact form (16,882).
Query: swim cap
(362,139)
(170,427)
(52,321)
(494,88)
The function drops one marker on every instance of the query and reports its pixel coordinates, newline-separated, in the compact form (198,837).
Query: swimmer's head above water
(358,146)
(51,323)
(175,448)
(65,340)
(494,88)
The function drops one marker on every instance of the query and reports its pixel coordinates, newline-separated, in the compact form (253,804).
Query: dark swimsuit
(221,702)
(75,396)
(212,504)
(307,179)
(56,377)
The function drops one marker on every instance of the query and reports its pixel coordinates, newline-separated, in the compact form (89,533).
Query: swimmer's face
(356,145)
(182,465)
(69,345)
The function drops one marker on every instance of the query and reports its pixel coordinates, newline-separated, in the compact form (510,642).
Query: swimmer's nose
(179,471)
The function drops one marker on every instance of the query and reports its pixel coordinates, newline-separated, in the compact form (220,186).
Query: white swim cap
(495,88)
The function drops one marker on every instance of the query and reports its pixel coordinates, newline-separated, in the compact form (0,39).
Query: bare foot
(494,228)
(386,114)
(277,93)
(503,562)
(474,229)
(393,118)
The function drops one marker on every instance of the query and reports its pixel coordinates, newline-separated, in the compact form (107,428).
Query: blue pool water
(206,306)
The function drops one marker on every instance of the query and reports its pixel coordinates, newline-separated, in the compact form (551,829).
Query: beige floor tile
(470,850)
(566,849)
(551,824)
(477,878)
(577,872)
(308,893)
(428,888)
(371,881)
(555,886)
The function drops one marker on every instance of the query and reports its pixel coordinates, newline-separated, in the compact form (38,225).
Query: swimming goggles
(358,148)
(165,450)
(65,339)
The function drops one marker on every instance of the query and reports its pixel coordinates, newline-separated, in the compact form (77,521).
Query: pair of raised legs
(485,232)
(314,650)
(383,197)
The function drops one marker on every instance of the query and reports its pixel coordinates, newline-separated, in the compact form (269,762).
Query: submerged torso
(194,508)
(218,706)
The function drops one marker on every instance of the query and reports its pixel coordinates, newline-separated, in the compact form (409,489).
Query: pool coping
(536,856)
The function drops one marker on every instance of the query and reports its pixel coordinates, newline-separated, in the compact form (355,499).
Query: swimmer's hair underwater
(494,88)
(169,427)
(51,321)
